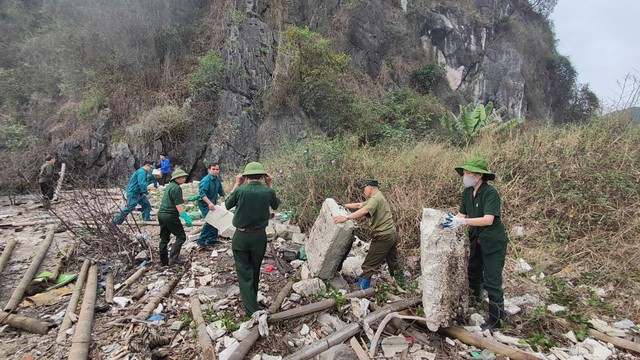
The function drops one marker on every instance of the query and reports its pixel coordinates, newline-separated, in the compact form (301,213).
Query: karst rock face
(386,40)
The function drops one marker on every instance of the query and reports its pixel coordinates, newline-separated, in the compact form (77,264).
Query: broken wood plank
(133,278)
(16,297)
(6,253)
(108,293)
(56,193)
(56,271)
(617,342)
(318,306)
(246,344)
(350,330)
(360,352)
(154,301)
(73,302)
(482,342)
(203,337)
(82,335)
(25,323)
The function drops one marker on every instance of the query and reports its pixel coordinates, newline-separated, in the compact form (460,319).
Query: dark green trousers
(170,224)
(383,247)
(485,270)
(248,252)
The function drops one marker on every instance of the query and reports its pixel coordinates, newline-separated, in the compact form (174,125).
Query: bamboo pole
(155,223)
(315,307)
(28,223)
(6,253)
(406,328)
(154,301)
(56,194)
(246,344)
(617,342)
(138,294)
(82,335)
(73,302)
(350,330)
(25,323)
(203,337)
(16,297)
(56,271)
(486,343)
(108,294)
(131,279)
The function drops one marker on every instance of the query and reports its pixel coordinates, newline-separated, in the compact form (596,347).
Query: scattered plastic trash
(303,253)
(195,215)
(157,317)
(269,268)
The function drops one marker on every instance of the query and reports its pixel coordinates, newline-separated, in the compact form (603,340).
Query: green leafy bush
(13,134)
(426,78)
(472,120)
(94,98)
(320,75)
(205,80)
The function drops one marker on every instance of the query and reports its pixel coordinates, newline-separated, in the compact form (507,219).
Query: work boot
(476,295)
(363,284)
(496,312)
(175,256)
(164,257)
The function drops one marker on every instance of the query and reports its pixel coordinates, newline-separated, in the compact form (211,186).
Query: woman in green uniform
(251,217)
(480,210)
(169,214)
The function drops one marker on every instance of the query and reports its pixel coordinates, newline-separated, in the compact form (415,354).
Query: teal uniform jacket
(138,183)
(210,187)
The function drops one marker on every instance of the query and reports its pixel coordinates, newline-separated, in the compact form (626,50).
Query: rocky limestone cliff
(480,64)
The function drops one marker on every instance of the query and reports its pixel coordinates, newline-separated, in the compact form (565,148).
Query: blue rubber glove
(187,219)
(452,222)
(193,198)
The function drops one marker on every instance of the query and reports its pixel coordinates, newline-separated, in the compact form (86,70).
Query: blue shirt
(138,183)
(165,165)
(210,187)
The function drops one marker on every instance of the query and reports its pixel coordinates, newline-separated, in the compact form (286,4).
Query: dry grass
(573,189)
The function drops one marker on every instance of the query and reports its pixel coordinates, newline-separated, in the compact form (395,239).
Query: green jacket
(46,173)
(486,202)
(252,202)
(381,218)
(170,199)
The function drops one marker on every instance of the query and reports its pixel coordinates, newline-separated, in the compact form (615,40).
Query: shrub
(94,98)
(426,78)
(205,80)
(320,75)
(13,134)
(472,120)
(170,121)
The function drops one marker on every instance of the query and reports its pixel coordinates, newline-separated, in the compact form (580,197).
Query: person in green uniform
(137,194)
(209,189)
(480,210)
(169,214)
(45,179)
(252,202)
(384,245)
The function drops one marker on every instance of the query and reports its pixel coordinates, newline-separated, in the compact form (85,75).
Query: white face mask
(469,181)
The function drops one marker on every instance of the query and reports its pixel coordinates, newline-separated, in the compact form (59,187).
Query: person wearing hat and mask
(480,211)
(249,243)
(169,214)
(137,194)
(384,245)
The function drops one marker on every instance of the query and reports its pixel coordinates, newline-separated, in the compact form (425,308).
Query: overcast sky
(602,39)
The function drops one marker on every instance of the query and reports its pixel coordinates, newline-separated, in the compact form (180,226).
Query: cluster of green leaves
(382,293)
(204,81)
(13,134)
(427,77)
(323,90)
(227,318)
(336,295)
(472,120)
(94,98)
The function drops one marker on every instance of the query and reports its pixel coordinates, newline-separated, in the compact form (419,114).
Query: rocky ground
(170,332)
